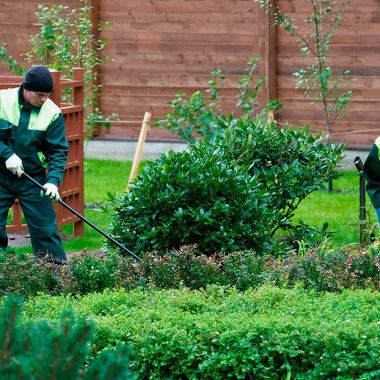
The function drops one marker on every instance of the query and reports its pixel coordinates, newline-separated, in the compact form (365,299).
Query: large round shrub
(192,197)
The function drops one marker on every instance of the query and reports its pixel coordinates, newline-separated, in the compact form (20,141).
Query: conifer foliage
(40,350)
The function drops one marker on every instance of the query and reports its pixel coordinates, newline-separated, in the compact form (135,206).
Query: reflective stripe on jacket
(10,110)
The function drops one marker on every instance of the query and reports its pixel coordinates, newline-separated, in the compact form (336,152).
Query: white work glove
(14,164)
(51,192)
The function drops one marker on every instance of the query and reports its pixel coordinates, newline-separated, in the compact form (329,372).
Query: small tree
(194,116)
(318,81)
(65,41)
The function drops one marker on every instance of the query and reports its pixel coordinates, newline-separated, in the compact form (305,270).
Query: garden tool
(85,220)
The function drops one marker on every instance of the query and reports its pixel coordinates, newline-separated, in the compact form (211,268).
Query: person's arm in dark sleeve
(5,151)
(56,150)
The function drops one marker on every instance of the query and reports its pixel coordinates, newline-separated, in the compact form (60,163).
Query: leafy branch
(195,116)
(318,80)
(65,41)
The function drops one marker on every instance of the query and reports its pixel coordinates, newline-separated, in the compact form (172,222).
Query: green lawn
(339,208)
(100,177)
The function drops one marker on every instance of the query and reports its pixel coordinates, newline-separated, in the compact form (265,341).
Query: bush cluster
(197,197)
(236,192)
(222,333)
(87,273)
(27,275)
(331,271)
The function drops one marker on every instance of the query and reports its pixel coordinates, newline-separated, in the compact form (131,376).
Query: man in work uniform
(371,172)
(32,139)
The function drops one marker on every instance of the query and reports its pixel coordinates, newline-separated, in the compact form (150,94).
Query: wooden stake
(270,116)
(136,160)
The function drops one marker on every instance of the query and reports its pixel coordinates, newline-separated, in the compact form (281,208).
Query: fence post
(55,96)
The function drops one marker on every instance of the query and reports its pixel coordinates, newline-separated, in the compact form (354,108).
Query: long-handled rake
(110,238)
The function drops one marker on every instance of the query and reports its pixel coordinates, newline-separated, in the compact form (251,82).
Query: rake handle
(110,238)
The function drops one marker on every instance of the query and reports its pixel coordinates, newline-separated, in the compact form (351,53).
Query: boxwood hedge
(221,333)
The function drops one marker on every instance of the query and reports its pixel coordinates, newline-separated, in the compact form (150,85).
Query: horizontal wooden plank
(132,69)
(115,132)
(158,110)
(164,80)
(109,91)
(121,100)
(355,39)
(355,71)
(182,27)
(367,82)
(115,48)
(338,128)
(305,6)
(180,6)
(335,50)
(133,112)
(143,36)
(358,17)
(344,29)
(356,107)
(31,5)
(176,59)
(300,113)
(17,18)
(336,61)
(170,16)
(366,95)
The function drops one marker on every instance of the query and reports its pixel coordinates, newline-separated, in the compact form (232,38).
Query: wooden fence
(71,189)
(162,46)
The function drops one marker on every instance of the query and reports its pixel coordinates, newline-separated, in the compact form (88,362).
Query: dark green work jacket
(36,135)
(371,172)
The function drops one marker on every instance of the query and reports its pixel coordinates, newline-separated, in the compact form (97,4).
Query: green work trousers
(39,214)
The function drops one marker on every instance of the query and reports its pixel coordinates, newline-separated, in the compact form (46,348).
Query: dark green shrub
(228,194)
(290,163)
(183,267)
(332,271)
(33,351)
(243,269)
(89,273)
(27,276)
(194,197)
(131,274)
(317,269)
(173,270)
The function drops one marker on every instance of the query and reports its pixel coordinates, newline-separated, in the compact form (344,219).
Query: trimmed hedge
(221,333)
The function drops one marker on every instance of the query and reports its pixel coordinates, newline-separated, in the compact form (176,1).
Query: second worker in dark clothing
(32,139)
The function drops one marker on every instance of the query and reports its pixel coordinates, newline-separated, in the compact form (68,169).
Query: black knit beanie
(38,79)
